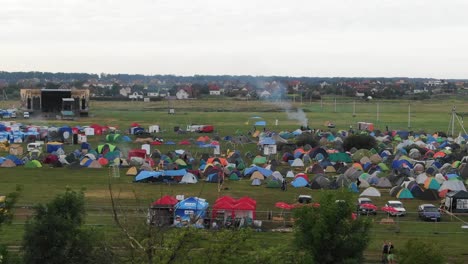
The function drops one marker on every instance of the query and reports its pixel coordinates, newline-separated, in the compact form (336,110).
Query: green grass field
(231,117)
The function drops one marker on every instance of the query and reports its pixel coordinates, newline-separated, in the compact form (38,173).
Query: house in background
(135,96)
(182,94)
(214,90)
(125,91)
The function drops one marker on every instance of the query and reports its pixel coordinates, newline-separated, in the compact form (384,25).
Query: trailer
(200,128)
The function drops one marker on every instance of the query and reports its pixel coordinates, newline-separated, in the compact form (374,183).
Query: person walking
(385,253)
(391,253)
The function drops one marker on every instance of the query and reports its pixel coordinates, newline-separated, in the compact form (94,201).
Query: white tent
(440,178)
(371,191)
(277,175)
(297,163)
(452,185)
(364,184)
(189,178)
(154,129)
(421,178)
(89,131)
(290,174)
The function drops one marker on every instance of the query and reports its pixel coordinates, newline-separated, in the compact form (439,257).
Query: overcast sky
(413,38)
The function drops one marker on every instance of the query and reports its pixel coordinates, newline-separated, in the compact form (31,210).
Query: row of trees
(325,234)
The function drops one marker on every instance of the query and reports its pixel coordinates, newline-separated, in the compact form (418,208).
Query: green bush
(361,141)
(306,139)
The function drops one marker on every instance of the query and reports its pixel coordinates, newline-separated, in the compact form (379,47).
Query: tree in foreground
(417,251)
(7,204)
(55,234)
(328,233)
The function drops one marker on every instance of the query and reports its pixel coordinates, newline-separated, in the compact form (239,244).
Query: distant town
(159,87)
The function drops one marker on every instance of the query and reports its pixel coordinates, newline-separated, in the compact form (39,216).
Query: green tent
(273,184)
(359,154)
(33,164)
(383,166)
(404,194)
(259,160)
(113,138)
(233,177)
(339,157)
(240,164)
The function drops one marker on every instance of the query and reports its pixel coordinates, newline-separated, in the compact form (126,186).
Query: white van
(34,146)
(26,115)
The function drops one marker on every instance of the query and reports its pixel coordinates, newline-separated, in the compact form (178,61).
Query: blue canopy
(172,173)
(260,123)
(146,175)
(189,209)
(263,171)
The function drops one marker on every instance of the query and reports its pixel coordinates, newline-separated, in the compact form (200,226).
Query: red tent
(226,198)
(97,129)
(141,153)
(184,142)
(247,200)
(443,193)
(245,207)
(302,175)
(283,205)
(166,200)
(225,206)
(135,124)
(156,143)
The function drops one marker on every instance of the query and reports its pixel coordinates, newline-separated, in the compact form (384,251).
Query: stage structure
(65,102)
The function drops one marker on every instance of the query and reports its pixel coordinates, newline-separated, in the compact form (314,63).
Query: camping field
(233,118)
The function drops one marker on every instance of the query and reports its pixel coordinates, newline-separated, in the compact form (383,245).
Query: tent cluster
(193,211)
(55,156)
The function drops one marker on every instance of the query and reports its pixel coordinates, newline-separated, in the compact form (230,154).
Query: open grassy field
(229,118)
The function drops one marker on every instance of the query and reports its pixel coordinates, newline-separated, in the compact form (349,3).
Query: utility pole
(409,115)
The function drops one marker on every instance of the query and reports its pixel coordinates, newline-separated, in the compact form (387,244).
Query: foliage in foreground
(328,233)
(55,234)
(417,251)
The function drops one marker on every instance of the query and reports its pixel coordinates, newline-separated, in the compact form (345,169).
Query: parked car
(26,115)
(429,212)
(365,206)
(398,206)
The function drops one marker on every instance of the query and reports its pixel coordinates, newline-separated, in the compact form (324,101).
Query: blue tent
(2,159)
(399,164)
(299,182)
(353,187)
(263,171)
(192,208)
(126,139)
(170,143)
(213,177)
(65,132)
(256,182)
(15,159)
(267,141)
(146,175)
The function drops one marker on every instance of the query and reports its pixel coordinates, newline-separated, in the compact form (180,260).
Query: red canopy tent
(162,211)
(226,198)
(166,200)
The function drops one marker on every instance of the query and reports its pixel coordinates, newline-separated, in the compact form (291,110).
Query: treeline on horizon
(13,77)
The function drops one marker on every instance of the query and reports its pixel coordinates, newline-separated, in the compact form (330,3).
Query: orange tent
(223,161)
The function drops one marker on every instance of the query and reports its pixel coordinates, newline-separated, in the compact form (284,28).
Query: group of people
(388,253)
